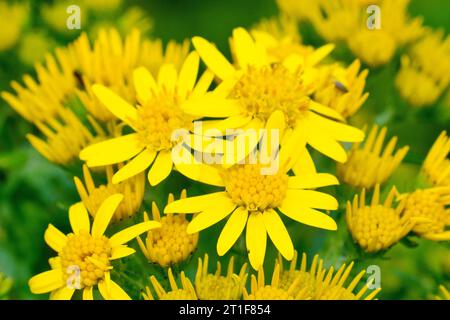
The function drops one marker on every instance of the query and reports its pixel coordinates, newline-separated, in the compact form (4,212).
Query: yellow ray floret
(170,244)
(430,211)
(253,89)
(370,164)
(377,226)
(154,120)
(251,199)
(12,19)
(186,292)
(445,294)
(318,283)
(93,196)
(436,165)
(273,291)
(214,286)
(85,255)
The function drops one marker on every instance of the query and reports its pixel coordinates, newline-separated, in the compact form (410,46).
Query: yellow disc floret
(263,90)
(249,188)
(88,254)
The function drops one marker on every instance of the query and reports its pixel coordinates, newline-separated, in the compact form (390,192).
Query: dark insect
(79,78)
(340,86)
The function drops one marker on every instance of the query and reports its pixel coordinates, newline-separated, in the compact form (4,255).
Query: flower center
(213,287)
(263,90)
(248,187)
(157,119)
(85,259)
(171,243)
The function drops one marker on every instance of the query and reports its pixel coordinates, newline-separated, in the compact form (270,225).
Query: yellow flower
(211,286)
(335,20)
(65,136)
(369,165)
(318,283)
(5,285)
(375,47)
(419,81)
(42,99)
(186,292)
(415,86)
(274,290)
(93,196)
(430,211)
(299,9)
(157,116)
(377,226)
(171,244)
(445,295)
(254,89)
(85,255)
(250,198)
(343,88)
(12,19)
(436,165)
(34,46)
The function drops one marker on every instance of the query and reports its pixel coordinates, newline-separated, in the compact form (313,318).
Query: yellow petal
(246,51)
(213,59)
(311,198)
(222,126)
(105,213)
(273,134)
(232,230)
(326,145)
(117,293)
(319,54)
(104,291)
(132,232)
(194,204)
(161,168)
(336,130)
(308,216)
(201,172)
(210,105)
(278,233)
(324,110)
(203,84)
(111,151)
(312,181)
(114,103)
(167,77)
(256,240)
(79,218)
(188,74)
(88,294)
(55,238)
(120,252)
(211,215)
(305,164)
(138,164)
(64,293)
(144,84)
(46,281)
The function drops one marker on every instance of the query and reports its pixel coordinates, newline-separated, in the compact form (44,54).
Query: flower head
(377,226)
(274,290)
(318,283)
(445,294)
(214,286)
(170,244)
(343,88)
(186,292)
(254,89)
(12,19)
(85,255)
(430,211)
(250,198)
(93,196)
(436,165)
(154,120)
(369,164)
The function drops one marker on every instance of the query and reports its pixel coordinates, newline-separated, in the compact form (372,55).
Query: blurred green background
(34,192)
